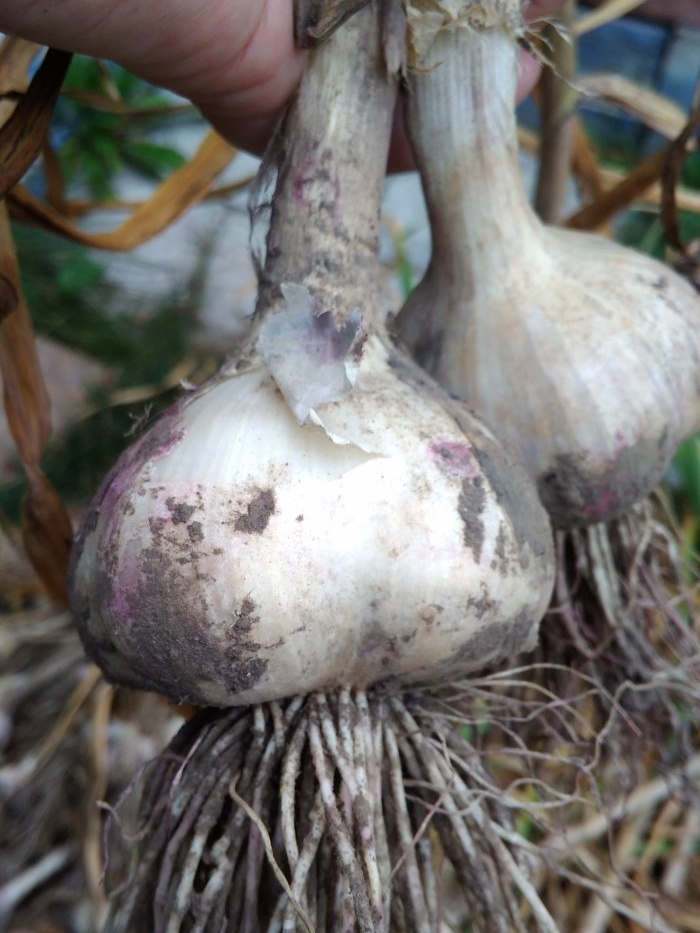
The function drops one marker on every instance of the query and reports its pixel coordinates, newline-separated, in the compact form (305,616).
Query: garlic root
(624,613)
(370,783)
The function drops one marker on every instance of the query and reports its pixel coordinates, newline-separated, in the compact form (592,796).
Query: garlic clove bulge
(581,354)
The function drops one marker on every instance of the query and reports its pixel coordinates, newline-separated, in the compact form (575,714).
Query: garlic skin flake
(236,556)
(581,354)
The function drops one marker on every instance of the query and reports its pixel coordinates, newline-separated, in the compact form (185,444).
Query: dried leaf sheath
(46,526)
(22,135)
(180,191)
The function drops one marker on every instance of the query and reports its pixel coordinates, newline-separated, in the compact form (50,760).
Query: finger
(541,9)
(244,96)
(528,75)
(236,60)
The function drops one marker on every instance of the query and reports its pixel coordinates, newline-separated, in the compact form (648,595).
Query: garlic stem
(475,133)
(330,154)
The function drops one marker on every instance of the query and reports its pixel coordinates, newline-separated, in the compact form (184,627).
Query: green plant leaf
(687,468)
(152,159)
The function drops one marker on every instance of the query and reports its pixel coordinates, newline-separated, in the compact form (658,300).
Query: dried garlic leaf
(46,527)
(47,534)
(26,399)
(185,187)
(22,136)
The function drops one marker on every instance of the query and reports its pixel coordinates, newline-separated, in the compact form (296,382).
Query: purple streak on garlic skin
(454,459)
(153,446)
(608,503)
(301,177)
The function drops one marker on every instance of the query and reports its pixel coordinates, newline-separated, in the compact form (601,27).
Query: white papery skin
(583,355)
(236,556)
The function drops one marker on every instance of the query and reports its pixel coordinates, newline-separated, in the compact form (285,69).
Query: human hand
(234,59)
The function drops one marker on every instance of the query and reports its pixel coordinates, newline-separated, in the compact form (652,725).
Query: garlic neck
(461,116)
(329,155)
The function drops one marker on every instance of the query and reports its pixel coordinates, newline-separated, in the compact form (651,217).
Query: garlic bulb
(581,354)
(320,514)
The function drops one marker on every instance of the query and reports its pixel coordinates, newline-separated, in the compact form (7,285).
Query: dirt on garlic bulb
(236,556)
